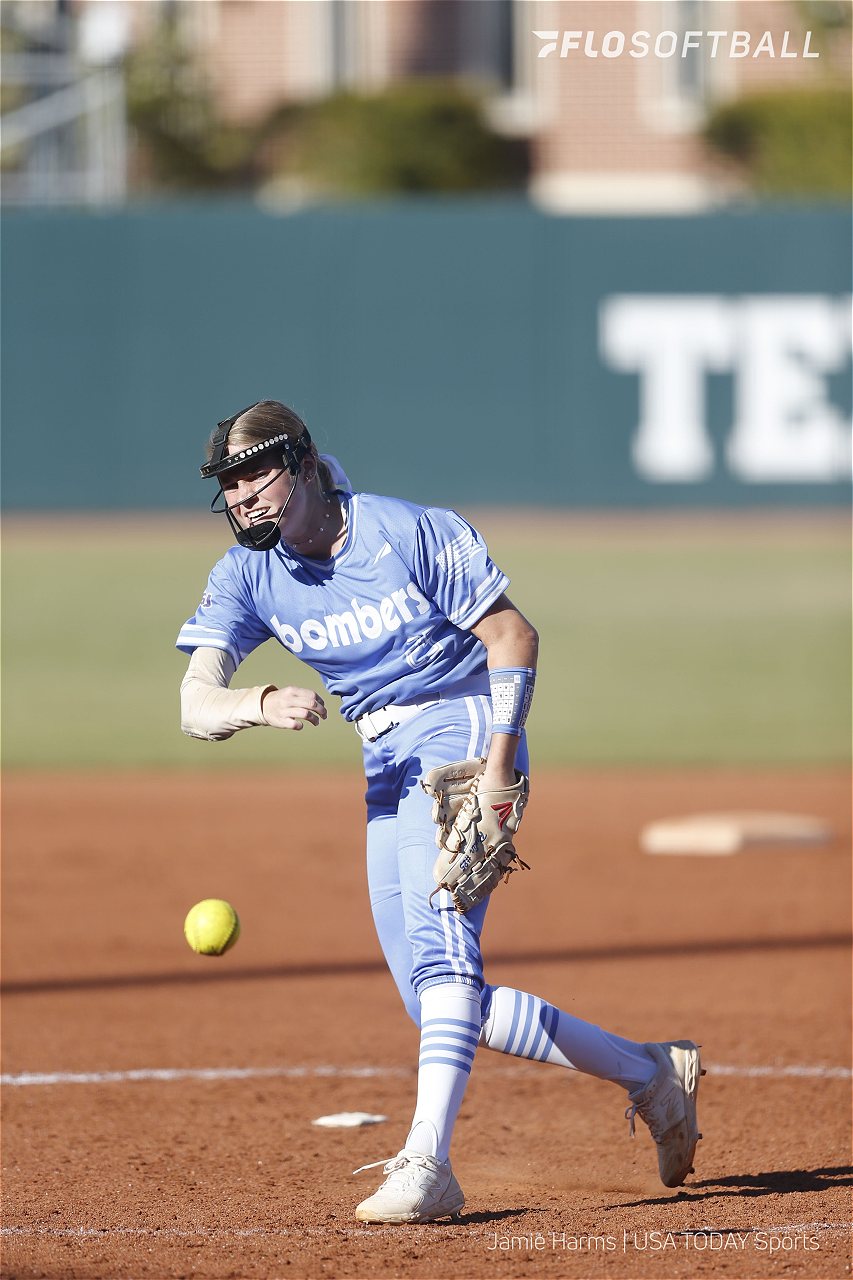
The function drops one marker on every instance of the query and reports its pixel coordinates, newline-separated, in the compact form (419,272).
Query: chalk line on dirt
(171,1074)
(239,1233)
(783,1072)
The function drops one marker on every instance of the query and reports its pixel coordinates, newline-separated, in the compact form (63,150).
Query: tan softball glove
(475,831)
(449,785)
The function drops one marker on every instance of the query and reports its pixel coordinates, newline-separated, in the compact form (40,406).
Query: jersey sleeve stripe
(485,595)
(193,629)
(195,638)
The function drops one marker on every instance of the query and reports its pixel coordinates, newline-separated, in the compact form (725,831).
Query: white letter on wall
(670,340)
(785,428)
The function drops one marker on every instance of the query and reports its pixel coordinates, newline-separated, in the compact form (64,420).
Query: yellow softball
(211,927)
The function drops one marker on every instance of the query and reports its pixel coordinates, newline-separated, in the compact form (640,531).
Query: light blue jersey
(385,621)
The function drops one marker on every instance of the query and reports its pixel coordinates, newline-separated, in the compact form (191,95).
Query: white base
(723,834)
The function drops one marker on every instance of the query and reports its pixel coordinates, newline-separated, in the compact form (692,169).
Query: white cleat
(668,1106)
(418,1188)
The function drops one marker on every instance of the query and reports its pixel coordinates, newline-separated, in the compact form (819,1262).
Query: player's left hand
(476,830)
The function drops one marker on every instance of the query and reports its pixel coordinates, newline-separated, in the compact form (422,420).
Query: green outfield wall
(467,353)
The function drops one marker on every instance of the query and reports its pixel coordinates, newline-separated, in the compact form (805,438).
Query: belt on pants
(375,724)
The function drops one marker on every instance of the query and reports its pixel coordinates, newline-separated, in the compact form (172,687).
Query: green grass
(656,647)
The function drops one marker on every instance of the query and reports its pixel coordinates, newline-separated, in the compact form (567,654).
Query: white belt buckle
(367,726)
(368,730)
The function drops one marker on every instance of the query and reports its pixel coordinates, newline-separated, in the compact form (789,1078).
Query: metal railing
(67,142)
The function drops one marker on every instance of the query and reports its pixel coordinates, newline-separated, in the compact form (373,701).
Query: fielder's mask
(277,449)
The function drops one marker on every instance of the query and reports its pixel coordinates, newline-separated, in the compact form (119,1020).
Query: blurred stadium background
(601,303)
(602,306)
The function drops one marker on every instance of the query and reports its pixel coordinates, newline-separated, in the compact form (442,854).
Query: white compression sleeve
(209,709)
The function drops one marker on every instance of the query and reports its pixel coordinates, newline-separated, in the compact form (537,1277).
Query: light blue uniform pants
(423,945)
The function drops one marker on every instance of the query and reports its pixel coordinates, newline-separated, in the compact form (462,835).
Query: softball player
(403,615)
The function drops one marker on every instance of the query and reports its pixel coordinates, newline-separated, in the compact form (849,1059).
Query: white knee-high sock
(528,1027)
(450,1027)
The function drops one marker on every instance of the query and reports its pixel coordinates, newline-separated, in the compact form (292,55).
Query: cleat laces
(634,1110)
(399,1163)
(389,1164)
(629,1115)
(646,1112)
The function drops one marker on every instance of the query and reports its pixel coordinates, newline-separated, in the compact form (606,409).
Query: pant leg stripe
(529,1032)
(451,922)
(448,936)
(460,933)
(523,1021)
(454,943)
(479,712)
(544,1011)
(536,1028)
(486,706)
(549,1038)
(473,741)
(516,1013)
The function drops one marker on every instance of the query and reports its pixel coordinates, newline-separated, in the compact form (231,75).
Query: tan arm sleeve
(209,709)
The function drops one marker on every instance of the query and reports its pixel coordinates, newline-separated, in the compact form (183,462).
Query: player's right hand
(291,708)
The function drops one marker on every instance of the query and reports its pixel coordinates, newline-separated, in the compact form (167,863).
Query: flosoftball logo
(675,44)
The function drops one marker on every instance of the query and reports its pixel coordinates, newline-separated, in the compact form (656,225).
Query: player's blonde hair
(270,418)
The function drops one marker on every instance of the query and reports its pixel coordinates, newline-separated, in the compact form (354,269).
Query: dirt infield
(158,1163)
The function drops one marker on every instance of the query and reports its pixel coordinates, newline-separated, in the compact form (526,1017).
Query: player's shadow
(751,1185)
(494,1215)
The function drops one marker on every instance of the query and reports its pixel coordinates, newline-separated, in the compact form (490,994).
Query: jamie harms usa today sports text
(781,1240)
